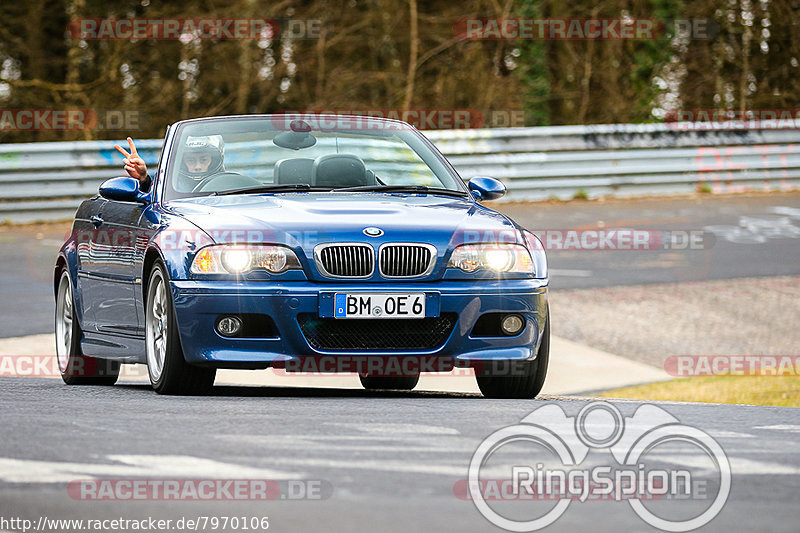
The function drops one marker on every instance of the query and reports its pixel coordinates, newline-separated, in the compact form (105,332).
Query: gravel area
(648,323)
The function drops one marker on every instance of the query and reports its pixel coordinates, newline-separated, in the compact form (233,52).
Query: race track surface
(386,461)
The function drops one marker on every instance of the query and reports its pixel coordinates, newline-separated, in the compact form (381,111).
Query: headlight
(536,249)
(491,256)
(240,259)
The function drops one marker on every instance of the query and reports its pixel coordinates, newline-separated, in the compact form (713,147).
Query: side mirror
(485,188)
(124,189)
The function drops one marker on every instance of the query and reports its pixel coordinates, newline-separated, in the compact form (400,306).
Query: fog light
(512,324)
(229,326)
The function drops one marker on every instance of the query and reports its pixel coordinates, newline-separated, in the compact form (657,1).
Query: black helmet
(212,146)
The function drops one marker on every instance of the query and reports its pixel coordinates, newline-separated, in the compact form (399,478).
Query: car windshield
(285,153)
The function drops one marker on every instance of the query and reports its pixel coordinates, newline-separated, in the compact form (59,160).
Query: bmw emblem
(373,232)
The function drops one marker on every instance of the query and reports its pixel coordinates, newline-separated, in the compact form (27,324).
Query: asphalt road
(736,237)
(385,462)
(752,236)
(391,461)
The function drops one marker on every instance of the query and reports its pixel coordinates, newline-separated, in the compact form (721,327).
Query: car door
(86,228)
(114,278)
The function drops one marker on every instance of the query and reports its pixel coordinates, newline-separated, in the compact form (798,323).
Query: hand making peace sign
(134,165)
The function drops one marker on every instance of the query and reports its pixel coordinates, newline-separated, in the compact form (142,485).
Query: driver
(202,157)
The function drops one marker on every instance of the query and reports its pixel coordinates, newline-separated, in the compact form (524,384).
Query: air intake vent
(406,260)
(345,260)
(376,334)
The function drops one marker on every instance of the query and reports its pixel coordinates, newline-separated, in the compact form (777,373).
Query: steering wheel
(249,181)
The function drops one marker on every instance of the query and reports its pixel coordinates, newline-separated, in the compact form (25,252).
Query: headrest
(339,170)
(299,170)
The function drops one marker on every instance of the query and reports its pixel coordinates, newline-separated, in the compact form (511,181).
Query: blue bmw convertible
(307,243)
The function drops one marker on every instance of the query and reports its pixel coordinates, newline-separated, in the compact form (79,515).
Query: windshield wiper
(419,189)
(290,187)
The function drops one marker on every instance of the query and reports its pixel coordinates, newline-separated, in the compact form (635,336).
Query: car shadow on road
(309,392)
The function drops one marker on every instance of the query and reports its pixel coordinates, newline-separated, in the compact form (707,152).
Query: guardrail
(47,181)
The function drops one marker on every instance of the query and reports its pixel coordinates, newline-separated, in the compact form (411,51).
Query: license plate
(410,305)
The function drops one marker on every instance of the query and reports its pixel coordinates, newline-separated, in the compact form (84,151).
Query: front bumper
(198,305)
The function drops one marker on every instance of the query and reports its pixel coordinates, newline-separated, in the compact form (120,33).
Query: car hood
(308,219)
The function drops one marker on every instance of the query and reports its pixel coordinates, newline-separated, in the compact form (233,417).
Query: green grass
(783,391)
(704,188)
(581,194)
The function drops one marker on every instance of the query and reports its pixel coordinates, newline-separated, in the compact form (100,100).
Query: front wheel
(517,379)
(76,368)
(169,372)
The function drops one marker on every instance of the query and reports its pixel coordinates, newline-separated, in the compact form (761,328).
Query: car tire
(526,383)
(76,368)
(389,383)
(168,370)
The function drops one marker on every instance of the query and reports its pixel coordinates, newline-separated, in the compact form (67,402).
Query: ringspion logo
(598,455)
